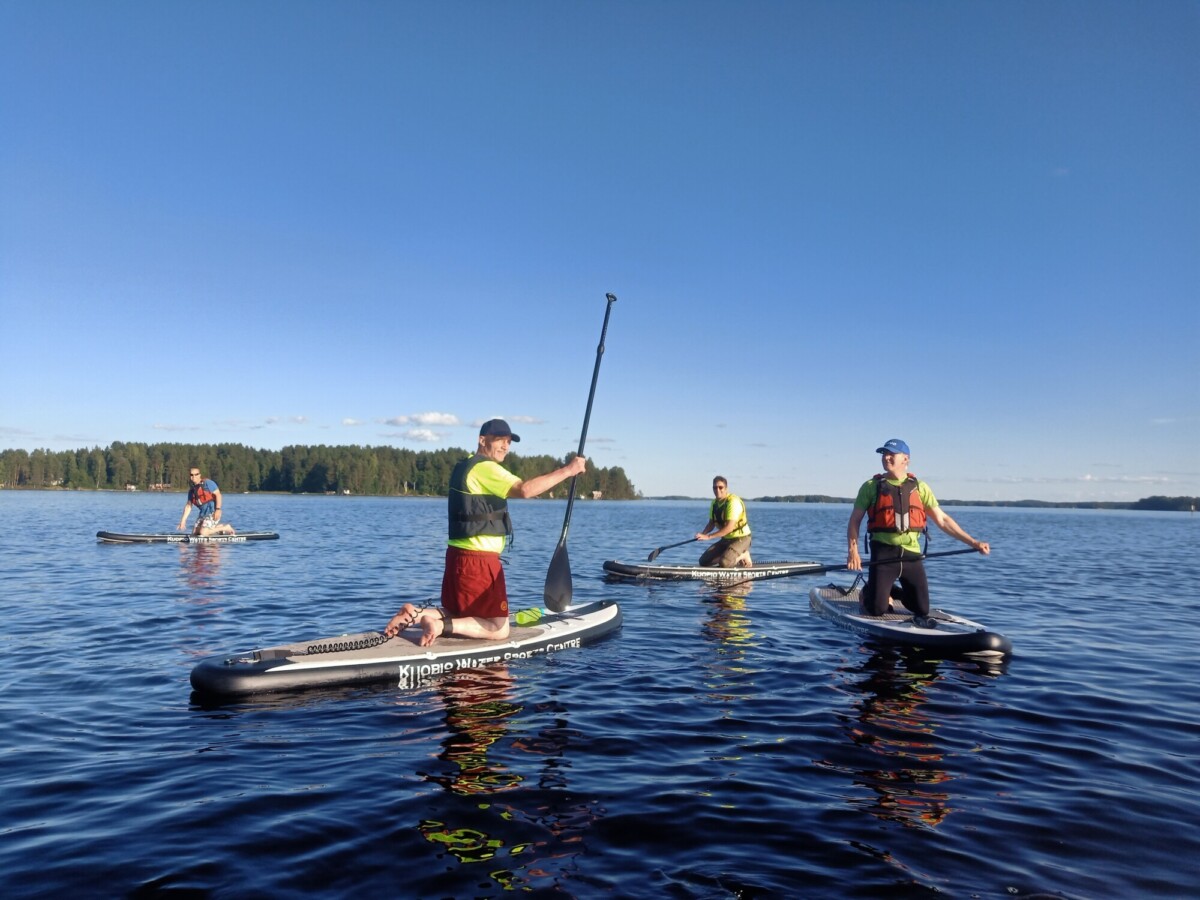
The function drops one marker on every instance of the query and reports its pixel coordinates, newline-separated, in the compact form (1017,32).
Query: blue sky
(974,226)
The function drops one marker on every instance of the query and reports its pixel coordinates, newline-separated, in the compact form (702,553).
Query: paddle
(866,565)
(557,594)
(654,553)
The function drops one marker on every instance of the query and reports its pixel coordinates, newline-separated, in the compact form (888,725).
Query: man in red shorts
(474,597)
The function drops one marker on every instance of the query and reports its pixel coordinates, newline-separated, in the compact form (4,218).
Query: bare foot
(401,620)
(432,625)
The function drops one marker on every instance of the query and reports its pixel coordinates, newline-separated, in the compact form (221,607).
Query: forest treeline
(296,469)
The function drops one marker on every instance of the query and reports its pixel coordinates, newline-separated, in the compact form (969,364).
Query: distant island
(1167,504)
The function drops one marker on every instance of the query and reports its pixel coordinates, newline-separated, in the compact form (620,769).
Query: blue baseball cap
(895,445)
(497,428)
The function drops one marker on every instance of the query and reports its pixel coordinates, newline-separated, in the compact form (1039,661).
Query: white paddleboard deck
(369,657)
(952,634)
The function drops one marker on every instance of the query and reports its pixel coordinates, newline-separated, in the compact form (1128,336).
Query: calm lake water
(720,745)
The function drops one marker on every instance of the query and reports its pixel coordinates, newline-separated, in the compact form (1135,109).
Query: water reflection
(729,677)
(895,752)
(478,706)
(728,622)
(527,823)
(200,568)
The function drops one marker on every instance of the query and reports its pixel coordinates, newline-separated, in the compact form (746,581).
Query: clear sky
(971,225)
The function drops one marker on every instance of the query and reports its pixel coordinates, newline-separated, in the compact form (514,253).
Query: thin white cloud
(422,435)
(425,418)
(435,418)
(1076,479)
(353,422)
(1126,479)
(520,420)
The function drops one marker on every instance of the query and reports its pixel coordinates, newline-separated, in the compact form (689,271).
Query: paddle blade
(654,554)
(557,595)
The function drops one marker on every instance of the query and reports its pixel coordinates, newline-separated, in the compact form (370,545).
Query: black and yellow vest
(719,513)
(471,514)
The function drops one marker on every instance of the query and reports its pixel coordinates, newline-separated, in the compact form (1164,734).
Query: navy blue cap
(497,428)
(895,445)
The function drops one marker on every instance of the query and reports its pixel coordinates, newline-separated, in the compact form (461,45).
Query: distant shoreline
(1146,504)
(1151,504)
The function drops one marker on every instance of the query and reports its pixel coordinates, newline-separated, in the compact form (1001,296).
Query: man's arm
(542,483)
(853,560)
(952,528)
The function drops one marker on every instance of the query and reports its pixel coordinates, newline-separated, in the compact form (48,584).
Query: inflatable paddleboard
(369,657)
(114,537)
(952,634)
(653,572)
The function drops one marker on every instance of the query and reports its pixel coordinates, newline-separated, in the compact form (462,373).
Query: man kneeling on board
(896,505)
(204,494)
(474,596)
(727,524)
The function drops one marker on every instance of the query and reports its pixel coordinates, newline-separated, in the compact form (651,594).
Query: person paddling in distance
(897,506)
(203,494)
(728,526)
(474,596)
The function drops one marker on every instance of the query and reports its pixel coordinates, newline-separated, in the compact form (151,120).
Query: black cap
(497,428)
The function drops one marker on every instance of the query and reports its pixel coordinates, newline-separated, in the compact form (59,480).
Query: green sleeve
(927,499)
(492,478)
(866,495)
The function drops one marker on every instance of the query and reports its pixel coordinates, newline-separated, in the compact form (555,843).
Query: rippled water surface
(722,744)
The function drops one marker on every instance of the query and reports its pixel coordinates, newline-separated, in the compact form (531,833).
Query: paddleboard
(953,634)
(114,537)
(656,572)
(369,657)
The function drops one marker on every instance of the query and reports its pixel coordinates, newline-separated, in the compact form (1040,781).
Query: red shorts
(473,584)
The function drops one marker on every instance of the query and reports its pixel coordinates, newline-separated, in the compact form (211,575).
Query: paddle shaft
(654,553)
(866,565)
(587,414)
(558,590)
